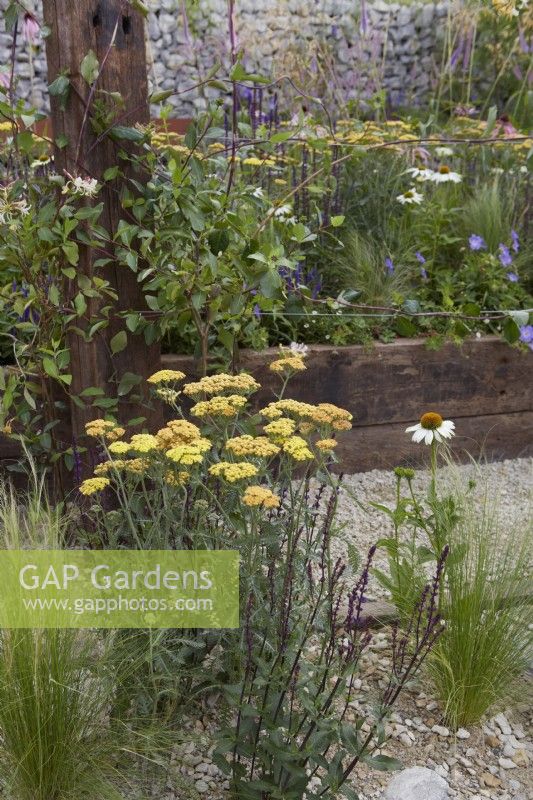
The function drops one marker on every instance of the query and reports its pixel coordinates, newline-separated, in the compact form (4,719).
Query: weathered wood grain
(485,389)
(397,382)
(114,31)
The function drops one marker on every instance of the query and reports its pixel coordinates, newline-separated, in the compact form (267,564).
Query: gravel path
(505,487)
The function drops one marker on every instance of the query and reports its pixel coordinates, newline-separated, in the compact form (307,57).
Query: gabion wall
(339,50)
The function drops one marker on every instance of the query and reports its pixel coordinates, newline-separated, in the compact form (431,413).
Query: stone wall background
(338,50)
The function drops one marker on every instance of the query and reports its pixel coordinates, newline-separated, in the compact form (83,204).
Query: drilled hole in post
(126,25)
(96,19)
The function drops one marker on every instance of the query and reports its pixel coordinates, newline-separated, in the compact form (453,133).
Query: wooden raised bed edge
(484,385)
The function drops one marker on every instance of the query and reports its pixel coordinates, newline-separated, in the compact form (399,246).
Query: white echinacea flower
(410,197)
(432,428)
(445,175)
(420,174)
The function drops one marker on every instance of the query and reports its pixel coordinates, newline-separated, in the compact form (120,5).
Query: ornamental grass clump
(487,645)
(57,738)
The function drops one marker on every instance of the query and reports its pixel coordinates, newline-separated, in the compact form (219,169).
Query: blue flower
(423,273)
(505,256)
(477,242)
(257,311)
(516,241)
(526,335)
(513,277)
(420,257)
(389,265)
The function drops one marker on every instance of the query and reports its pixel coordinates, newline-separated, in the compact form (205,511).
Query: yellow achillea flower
(115,434)
(176,480)
(233,472)
(297,448)
(217,384)
(219,406)
(277,409)
(326,444)
(246,445)
(166,376)
(107,466)
(189,454)
(322,414)
(288,364)
(260,496)
(93,485)
(177,431)
(104,429)
(281,428)
(137,465)
(144,443)
(253,161)
(120,448)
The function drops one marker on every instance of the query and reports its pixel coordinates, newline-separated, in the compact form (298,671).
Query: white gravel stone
(440,730)
(417,783)
(506,763)
(462,733)
(503,724)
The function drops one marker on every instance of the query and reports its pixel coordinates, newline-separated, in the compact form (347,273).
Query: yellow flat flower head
(233,472)
(255,496)
(93,485)
(259,446)
(144,443)
(120,448)
(166,376)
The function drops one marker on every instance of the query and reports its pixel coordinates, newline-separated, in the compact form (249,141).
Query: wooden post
(114,31)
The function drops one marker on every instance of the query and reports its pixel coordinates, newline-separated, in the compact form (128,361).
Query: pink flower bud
(30,28)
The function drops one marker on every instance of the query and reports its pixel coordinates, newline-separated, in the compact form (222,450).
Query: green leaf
(70,249)
(159,97)
(11,15)
(60,88)
(471,309)
(337,221)
(511,331)
(404,327)
(111,173)
(280,137)
(50,367)
(92,391)
(129,134)
(89,67)
(53,295)
(118,342)
(127,382)
(383,763)
(218,241)
(520,317)
(29,399)
(80,304)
